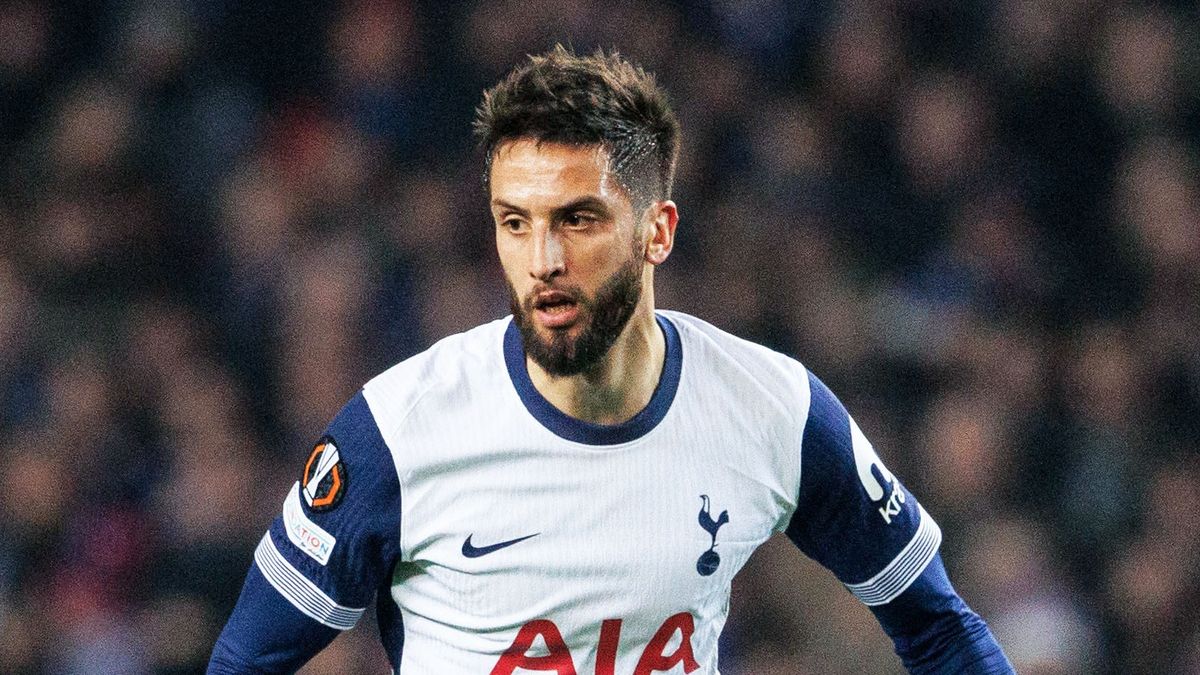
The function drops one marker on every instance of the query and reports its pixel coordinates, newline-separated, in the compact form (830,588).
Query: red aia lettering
(653,658)
(606,655)
(558,660)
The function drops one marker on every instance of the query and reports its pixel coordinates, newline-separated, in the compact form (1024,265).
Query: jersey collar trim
(579,431)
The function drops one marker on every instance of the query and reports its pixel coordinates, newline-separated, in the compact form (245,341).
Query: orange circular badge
(325,476)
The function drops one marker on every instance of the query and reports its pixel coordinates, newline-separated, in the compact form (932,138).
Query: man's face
(571,249)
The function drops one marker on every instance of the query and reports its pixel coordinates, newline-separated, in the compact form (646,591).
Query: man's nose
(548,257)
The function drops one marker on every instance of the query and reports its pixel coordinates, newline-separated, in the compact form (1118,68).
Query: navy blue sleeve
(934,631)
(266,634)
(855,518)
(852,515)
(324,558)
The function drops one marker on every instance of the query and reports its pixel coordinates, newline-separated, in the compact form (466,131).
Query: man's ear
(664,216)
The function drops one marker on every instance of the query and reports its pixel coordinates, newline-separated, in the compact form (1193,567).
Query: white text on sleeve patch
(304,533)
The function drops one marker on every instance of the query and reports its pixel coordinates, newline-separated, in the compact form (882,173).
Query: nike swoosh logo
(474,552)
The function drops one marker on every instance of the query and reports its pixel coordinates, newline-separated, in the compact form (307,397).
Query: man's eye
(579,220)
(513,225)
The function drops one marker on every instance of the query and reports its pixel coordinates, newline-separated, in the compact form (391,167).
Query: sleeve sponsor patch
(304,533)
(325,476)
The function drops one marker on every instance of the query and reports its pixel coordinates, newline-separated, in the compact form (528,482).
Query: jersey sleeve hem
(904,569)
(303,594)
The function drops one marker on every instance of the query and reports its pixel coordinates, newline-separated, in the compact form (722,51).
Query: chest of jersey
(616,558)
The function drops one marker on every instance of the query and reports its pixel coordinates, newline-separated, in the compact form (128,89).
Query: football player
(572,489)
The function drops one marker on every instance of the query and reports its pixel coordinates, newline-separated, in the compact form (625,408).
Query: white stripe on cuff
(904,568)
(301,592)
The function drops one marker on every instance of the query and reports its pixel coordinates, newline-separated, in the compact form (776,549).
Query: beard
(602,317)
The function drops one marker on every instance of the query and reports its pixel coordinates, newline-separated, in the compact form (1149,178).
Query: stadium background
(978,221)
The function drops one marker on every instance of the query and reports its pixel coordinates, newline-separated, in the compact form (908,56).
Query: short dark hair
(602,99)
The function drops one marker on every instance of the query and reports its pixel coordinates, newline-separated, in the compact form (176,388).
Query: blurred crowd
(978,221)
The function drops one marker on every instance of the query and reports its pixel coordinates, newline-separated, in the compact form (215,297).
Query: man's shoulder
(707,341)
(722,359)
(449,364)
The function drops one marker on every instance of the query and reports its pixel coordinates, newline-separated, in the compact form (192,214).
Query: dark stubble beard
(603,318)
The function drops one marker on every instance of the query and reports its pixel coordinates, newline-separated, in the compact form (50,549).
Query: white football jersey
(500,535)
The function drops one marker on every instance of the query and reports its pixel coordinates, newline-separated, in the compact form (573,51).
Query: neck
(621,385)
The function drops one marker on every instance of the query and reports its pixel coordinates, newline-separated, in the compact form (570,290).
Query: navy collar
(572,429)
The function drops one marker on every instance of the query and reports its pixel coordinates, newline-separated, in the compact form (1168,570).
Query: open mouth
(555,309)
(554,304)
